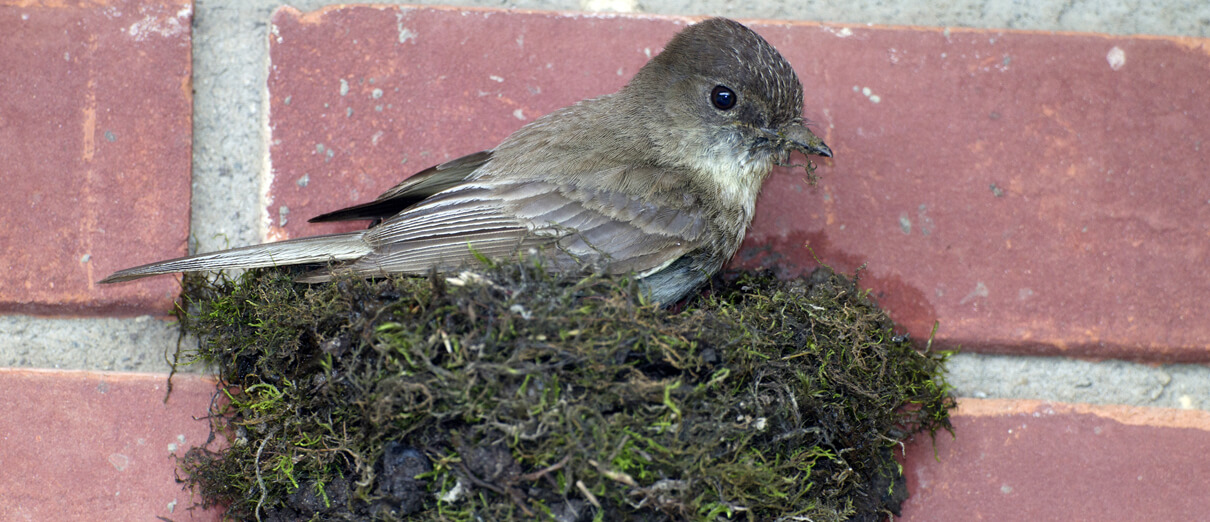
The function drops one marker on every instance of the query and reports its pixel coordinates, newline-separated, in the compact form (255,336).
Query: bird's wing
(631,233)
(412,190)
(503,217)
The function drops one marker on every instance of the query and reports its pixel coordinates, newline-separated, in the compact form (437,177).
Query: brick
(1033,192)
(361,97)
(95,121)
(1029,460)
(98,446)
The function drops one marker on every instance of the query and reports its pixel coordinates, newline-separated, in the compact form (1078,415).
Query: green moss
(522,393)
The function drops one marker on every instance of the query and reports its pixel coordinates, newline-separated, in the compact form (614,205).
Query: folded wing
(566,223)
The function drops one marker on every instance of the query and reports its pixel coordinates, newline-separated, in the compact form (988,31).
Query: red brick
(98,446)
(1052,196)
(451,82)
(1028,460)
(95,121)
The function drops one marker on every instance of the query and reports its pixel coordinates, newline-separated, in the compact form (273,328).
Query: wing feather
(569,223)
(415,189)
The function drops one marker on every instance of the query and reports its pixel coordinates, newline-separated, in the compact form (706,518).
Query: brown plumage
(658,179)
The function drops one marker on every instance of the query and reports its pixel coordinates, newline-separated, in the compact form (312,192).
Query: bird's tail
(317,249)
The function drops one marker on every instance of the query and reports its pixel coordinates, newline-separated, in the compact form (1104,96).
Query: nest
(515,393)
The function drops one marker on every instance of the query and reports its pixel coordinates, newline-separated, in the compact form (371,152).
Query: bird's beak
(795,136)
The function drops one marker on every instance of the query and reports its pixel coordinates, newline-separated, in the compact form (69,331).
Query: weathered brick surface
(98,446)
(1034,192)
(95,138)
(1027,460)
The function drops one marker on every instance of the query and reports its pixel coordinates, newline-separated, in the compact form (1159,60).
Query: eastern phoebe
(658,179)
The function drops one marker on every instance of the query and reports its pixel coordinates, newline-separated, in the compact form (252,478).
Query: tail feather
(318,249)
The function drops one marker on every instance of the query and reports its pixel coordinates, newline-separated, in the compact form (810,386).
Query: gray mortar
(229,71)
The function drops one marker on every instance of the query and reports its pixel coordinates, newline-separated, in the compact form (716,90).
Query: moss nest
(522,394)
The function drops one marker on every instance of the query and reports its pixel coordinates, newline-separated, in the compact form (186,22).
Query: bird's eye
(723,98)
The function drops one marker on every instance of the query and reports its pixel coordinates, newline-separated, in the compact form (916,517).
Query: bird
(659,180)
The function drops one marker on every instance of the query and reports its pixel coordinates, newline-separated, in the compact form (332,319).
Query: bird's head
(725,102)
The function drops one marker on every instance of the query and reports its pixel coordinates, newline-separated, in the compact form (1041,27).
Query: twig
(592,499)
(542,472)
(260,481)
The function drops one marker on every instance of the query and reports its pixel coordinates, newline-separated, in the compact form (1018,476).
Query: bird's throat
(737,173)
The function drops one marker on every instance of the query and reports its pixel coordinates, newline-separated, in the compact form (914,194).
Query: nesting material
(513,393)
